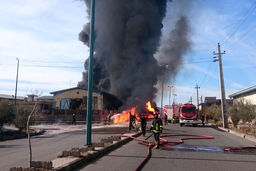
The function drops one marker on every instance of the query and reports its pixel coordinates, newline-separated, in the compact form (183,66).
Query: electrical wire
(52,66)
(207,78)
(196,62)
(236,27)
(249,31)
(206,74)
(58,62)
(46,66)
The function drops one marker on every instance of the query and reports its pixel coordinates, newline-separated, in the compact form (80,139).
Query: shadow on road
(8,146)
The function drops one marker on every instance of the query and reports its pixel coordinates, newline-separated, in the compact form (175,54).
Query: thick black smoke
(174,47)
(127,37)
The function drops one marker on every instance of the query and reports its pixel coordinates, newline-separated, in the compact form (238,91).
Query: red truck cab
(188,114)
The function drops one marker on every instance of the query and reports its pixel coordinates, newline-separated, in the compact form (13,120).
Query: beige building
(248,94)
(76,98)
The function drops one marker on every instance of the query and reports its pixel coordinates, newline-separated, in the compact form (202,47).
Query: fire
(125,115)
(149,107)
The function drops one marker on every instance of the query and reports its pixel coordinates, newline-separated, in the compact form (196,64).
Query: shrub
(214,112)
(246,110)
(233,113)
(241,110)
(21,118)
(6,113)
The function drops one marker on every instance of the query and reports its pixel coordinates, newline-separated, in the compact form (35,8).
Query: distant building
(76,98)
(209,101)
(10,98)
(45,99)
(31,97)
(248,94)
(46,104)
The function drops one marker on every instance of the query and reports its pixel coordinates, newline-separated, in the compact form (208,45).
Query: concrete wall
(78,94)
(250,97)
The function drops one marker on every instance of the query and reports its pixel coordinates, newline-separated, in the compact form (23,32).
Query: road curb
(79,162)
(245,136)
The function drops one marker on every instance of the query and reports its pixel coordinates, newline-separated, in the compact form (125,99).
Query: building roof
(6,96)
(248,90)
(210,99)
(68,89)
(61,91)
(45,98)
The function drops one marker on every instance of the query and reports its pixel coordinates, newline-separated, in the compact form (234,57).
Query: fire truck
(188,114)
(172,112)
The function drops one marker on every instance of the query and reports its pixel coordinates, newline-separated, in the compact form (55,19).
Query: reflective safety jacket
(157,125)
(108,117)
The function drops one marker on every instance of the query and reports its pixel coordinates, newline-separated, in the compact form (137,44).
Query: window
(65,104)
(188,110)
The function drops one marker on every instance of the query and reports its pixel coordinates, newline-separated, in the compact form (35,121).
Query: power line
(206,74)
(47,66)
(45,61)
(196,62)
(248,31)
(41,61)
(236,27)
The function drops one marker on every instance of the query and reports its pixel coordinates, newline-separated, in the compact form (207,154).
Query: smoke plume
(174,47)
(127,36)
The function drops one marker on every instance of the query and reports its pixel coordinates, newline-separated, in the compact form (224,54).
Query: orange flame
(125,116)
(149,107)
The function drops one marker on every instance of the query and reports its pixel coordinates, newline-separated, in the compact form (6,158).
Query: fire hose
(164,142)
(240,149)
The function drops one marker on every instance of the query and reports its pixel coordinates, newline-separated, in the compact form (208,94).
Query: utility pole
(17,77)
(162,96)
(223,97)
(174,98)
(90,77)
(165,67)
(197,96)
(170,94)
(190,100)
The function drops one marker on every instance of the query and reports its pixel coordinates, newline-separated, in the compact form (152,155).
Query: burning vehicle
(124,116)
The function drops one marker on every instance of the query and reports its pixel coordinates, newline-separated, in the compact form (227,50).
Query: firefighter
(131,122)
(74,119)
(108,119)
(202,118)
(156,127)
(143,120)
(165,119)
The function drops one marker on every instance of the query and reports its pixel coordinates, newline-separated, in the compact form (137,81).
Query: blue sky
(43,34)
(212,22)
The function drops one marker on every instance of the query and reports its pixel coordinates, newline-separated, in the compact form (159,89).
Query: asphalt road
(195,155)
(14,153)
